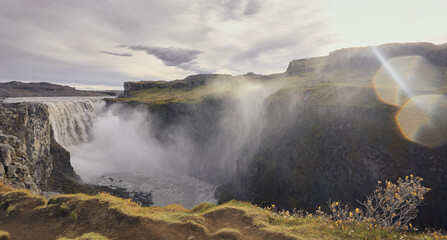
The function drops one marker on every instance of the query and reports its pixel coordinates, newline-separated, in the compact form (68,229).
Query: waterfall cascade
(132,148)
(72,121)
(71,117)
(128,157)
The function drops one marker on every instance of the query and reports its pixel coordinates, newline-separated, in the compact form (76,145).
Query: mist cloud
(142,142)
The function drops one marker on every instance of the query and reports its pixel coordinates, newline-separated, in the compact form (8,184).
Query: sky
(99,44)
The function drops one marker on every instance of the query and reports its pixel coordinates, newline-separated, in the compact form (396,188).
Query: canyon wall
(30,124)
(325,134)
(319,153)
(319,131)
(309,151)
(29,152)
(15,166)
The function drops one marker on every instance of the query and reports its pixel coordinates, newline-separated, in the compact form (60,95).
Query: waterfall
(72,121)
(117,146)
(71,118)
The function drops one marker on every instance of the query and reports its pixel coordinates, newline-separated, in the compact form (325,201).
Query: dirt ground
(31,218)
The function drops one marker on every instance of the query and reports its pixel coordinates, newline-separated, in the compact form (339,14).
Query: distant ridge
(44,89)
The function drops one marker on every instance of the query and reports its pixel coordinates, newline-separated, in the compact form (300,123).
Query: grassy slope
(169,95)
(102,216)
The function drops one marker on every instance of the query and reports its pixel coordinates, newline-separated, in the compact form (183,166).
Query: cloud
(194,67)
(216,36)
(177,57)
(225,36)
(265,46)
(252,8)
(116,54)
(20,65)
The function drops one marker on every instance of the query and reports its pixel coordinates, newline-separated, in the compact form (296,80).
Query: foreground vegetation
(66,216)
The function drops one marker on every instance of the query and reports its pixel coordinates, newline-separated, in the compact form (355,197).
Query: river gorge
(115,150)
(327,128)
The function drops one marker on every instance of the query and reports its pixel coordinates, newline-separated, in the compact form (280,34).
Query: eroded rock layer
(30,124)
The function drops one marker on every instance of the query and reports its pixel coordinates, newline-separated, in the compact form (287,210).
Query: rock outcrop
(31,158)
(30,155)
(30,123)
(15,166)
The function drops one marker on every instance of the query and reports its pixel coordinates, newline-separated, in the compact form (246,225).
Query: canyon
(326,128)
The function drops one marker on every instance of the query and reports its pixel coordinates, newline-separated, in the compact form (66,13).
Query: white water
(72,121)
(165,188)
(71,117)
(109,143)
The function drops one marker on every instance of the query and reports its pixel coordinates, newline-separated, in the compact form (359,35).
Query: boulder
(5,154)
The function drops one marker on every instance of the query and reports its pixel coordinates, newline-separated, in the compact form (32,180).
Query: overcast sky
(102,43)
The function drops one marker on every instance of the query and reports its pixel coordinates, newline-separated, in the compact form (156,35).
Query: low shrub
(391,205)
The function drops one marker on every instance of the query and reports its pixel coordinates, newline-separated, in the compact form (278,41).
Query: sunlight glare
(423,120)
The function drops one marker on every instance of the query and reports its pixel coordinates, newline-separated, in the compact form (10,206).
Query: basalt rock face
(338,153)
(336,144)
(30,146)
(30,124)
(15,166)
(326,136)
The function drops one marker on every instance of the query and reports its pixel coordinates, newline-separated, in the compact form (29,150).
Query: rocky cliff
(312,149)
(339,153)
(15,166)
(30,155)
(30,124)
(319,131)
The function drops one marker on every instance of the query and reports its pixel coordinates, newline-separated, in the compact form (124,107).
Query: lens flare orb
(423,120)
(404,77)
